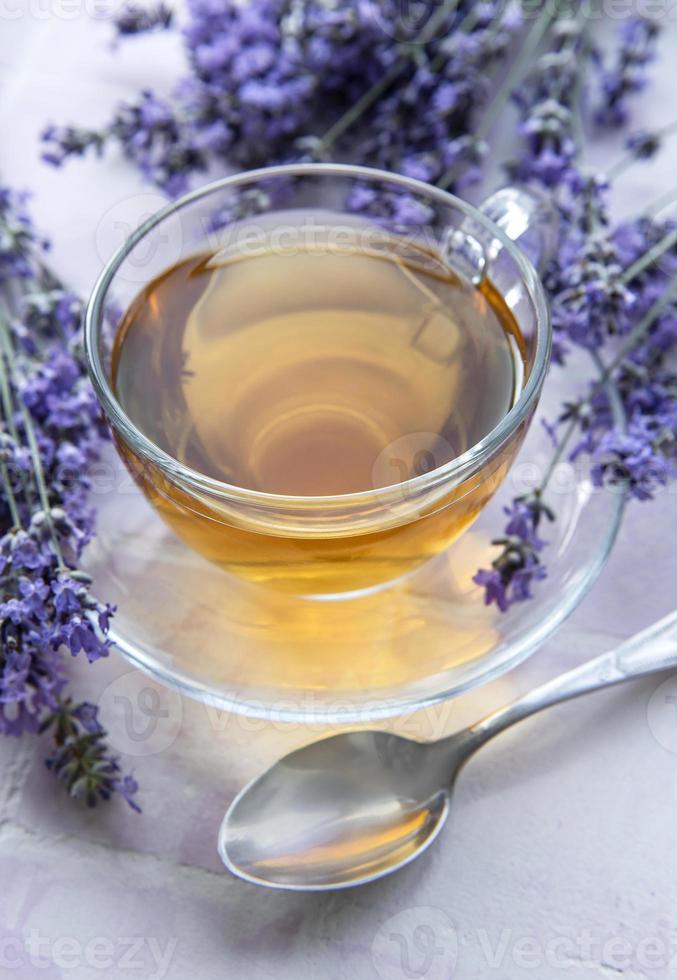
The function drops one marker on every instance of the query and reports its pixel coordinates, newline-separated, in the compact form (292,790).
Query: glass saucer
(425,639)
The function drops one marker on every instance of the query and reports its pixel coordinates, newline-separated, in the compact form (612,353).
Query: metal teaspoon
(354,807)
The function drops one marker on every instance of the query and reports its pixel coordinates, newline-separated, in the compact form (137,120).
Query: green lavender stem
(654,253)
(564,441)
(638,332)
(6,397)
(7,354)
(358,109)
(11,499)
(8,414)
(662,201)
(520,67)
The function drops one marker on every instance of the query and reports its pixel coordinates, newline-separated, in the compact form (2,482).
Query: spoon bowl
(339,812)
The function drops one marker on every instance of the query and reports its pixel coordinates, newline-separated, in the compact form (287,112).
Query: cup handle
(529,218)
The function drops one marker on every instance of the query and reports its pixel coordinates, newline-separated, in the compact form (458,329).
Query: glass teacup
(341,544)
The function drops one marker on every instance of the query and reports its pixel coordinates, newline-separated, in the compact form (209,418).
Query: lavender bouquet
(51,434)
(274,81)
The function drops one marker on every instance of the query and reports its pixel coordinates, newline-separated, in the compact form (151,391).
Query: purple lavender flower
(439,142)
(148,133)
(51,313)
(133,19)
(643,144)
(80,758)
(395,210)
(63,142)
(518,566)
(495,589)
(151,135)
(591,302)
(546,101)
(633,458)
(87,715)
(19,242)
(636,50)
(523,520)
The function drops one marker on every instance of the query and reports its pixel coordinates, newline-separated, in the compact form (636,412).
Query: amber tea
(318,371)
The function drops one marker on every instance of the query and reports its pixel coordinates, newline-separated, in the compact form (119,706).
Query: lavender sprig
(628,75)
(518,566)
(19,242)
(547,103)
(134,19)
(604,284)
(149,135)
(81,759)
(643,456)
(50,433)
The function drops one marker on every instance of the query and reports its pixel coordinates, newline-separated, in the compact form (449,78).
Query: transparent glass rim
(478,454)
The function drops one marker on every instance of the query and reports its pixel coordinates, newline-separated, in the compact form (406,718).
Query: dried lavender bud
(134,19)
(636,50)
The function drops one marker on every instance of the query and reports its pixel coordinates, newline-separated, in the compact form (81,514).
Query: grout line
(9,830)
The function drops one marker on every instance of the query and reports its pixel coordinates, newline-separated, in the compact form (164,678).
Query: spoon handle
(652,650)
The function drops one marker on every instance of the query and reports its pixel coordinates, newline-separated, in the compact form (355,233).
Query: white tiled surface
(559,858)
